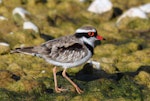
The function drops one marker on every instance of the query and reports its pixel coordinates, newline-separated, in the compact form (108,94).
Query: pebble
(145,8)
(140,12)
(21,11)
(30,25)
(4,44)
(43,71)
(100,6)
(3,18)
(133,12)
(82,0)
(95,63)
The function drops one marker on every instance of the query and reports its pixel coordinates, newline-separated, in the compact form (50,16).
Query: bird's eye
(91,34)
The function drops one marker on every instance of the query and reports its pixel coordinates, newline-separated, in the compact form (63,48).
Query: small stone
(100,6)
(30,25)
(3,18)
(43,71)
(21,11)
(132,12)
(4,47)
(4,44)
(145,8)
(95,64)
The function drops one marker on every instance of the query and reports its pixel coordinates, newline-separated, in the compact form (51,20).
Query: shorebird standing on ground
(67,52)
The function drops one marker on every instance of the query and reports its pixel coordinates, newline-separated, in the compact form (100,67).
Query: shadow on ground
(88,73)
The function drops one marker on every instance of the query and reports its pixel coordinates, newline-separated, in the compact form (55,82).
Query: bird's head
(88,34)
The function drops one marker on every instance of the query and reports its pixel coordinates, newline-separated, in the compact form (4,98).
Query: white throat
(89,41)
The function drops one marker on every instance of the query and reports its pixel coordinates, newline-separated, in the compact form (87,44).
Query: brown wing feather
(66,49)
(68,54)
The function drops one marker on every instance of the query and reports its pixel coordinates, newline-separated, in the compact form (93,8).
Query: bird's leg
(58,90)
(79,91)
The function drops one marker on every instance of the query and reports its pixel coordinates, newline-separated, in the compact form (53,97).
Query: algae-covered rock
(128,4)
(16,69)
(20,15)
(109,27)
(109,60)
(77,98)
(143,56)
(31,85)
(128,66)
(134,24)
(22,37)
(122,55)
(17,86)
(139,24)
(25,85)
(4,48)
(60,98)
(12,4)
(109,68)
(143,78)
(127,58)
(105,50)
(5,29)
(4,94)
(5,78)
(92,97)
(126,48)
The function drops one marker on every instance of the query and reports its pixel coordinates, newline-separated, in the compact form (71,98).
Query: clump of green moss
(143,78)
(124,88)
(124,5)
(125,49)
(4,49)
(134,25)
(137,23)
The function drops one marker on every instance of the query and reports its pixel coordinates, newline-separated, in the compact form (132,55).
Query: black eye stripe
(79,35)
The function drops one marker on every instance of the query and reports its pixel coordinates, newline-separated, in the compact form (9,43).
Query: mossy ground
(124,55)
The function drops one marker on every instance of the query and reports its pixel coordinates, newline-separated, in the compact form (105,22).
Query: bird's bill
(100,37)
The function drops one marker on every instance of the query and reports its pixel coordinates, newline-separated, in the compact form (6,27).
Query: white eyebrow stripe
(84,31)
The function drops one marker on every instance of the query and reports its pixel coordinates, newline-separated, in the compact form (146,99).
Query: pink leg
(79,91)
(58,90)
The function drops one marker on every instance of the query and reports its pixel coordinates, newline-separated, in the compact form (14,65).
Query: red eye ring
(91,34)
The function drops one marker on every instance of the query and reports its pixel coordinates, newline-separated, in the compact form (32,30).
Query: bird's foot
(79,91)
(59,90)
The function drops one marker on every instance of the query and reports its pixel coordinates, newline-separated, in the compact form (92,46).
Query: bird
(67,52)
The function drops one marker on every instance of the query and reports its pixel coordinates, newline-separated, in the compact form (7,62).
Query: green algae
(126,49)
(4,49)
(143,78)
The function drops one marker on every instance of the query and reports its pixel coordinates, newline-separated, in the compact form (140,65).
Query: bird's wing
(65,49)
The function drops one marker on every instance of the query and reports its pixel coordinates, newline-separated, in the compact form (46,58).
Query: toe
(79,91)
(59,90)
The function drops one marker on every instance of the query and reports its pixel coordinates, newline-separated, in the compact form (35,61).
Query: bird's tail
(25,50)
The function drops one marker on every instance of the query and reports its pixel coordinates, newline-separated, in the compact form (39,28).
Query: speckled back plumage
(68,49)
